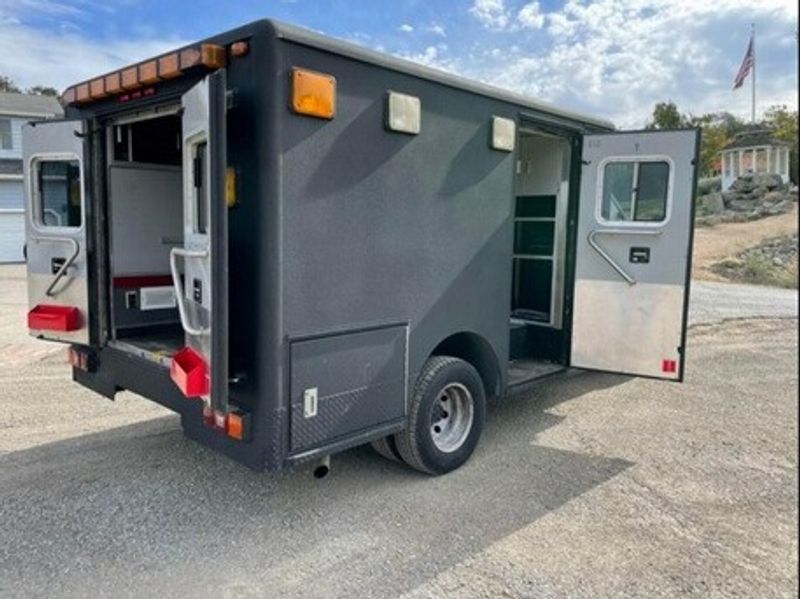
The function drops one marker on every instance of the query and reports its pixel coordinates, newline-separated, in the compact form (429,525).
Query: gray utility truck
(300,245)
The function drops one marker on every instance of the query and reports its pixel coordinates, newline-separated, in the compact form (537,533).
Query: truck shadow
(144,497)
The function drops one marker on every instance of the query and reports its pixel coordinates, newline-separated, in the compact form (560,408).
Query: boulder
(744,184)
(731,196)
(711,203)
(742,205)
(769,180)
(773,197)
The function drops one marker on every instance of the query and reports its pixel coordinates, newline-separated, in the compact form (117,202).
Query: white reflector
(157,298)
(403,113)
(503,134)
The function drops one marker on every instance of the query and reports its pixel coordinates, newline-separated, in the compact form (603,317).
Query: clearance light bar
(143,74)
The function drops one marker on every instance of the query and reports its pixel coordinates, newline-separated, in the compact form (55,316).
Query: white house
(754,151)
(15,110)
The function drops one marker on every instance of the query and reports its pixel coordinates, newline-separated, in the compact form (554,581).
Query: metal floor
(158,346)
(521,372)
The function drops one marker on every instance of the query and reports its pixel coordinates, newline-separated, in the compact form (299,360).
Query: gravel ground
(593,485)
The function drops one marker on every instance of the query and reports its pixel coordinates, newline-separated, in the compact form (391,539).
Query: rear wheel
(445,416)
(385,447)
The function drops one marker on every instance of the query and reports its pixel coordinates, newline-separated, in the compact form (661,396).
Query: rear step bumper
(117,370)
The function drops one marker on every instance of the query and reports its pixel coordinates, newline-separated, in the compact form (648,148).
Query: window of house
(736,156)
(726,164)
(6,141)
(635,191)
(59,193)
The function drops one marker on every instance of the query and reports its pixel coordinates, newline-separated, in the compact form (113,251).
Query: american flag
(747,65)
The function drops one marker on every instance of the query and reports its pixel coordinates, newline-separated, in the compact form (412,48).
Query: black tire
(386,448)
(441,375)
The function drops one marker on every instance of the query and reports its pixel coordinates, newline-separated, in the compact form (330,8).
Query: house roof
(754,137)
(12,104)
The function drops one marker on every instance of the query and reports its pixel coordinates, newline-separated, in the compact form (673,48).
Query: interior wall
(543,169)
(146,212)
(539,170)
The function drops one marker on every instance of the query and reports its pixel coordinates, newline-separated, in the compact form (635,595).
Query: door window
(58,193)
(199,166)
(635,191)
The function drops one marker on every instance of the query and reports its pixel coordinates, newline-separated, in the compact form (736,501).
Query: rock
(742,205)
(743,183)
(779,208)
(760,191)
(773,197)
(711,203)
(731,196)
(769,180)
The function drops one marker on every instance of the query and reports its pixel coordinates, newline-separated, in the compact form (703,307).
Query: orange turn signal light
(236,426)
(313,93)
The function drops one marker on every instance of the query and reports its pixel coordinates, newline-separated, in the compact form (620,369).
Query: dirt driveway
(593,485)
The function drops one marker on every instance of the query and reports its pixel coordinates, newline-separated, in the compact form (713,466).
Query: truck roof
(313,39)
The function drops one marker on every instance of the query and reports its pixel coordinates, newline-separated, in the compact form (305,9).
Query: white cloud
(60,57)
(617,58)
(530,16)
(406,28)
(493,14)
(59,60)
(436,29)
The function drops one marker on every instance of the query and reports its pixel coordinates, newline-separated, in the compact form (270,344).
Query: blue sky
(612,58)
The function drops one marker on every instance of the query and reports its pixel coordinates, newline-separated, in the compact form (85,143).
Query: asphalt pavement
(592,485)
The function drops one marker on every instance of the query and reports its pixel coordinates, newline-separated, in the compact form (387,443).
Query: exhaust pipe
(322,467)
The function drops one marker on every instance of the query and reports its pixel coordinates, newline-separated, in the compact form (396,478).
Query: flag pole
(753,82)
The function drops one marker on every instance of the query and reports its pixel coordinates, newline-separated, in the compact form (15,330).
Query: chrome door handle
(620,271)
(67,263)
(176,280)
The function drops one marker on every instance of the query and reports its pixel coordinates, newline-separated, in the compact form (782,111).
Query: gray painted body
(354,252)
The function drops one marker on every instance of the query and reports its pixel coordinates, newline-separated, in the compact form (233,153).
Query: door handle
(176,280)
(592,238)
(66,264)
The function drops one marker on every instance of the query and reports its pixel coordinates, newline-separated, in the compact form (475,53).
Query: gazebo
(754,151)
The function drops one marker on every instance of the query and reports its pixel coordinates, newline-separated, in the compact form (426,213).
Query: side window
(58,193)
(635,191)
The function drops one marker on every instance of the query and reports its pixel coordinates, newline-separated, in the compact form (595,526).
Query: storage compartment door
(55,230)
(345,384)
(634,252)
(200,267)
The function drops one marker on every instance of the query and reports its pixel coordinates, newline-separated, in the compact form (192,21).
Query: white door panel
(200,267)
(55,229)
(633,252)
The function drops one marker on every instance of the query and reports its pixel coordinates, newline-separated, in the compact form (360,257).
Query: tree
(41,90)
(667,116)
(6,85)
(784,123)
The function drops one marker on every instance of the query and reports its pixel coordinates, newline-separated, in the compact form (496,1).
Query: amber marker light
(313,94)
(168,66)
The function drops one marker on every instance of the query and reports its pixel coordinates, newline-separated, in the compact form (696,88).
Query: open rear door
(634,246)
(55,227)
(200,267)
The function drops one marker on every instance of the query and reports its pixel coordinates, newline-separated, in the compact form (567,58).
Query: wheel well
(474,349)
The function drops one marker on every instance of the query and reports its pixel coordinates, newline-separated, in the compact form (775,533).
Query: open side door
(201,368)
(55,229)
(634,248)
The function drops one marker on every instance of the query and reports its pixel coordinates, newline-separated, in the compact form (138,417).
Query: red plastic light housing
(189,372)
(54,318)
